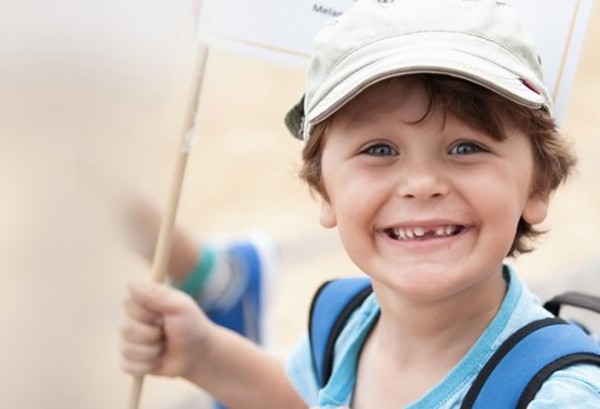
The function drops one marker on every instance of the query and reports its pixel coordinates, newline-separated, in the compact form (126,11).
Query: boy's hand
(164,333)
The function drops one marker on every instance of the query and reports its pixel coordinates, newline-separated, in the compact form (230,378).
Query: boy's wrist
(185,255)
(207,359)
(194,280)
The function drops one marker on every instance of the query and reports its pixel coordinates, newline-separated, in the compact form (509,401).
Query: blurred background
(92,103)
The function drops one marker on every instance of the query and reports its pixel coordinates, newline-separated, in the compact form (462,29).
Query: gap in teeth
(404,233)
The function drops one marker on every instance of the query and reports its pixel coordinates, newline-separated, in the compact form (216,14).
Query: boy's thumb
(157,297)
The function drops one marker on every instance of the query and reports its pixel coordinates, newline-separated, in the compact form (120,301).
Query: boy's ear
(327,217)
(536,207)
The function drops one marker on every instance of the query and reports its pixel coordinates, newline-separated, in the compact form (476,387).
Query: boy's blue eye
(380,149)
(465,148)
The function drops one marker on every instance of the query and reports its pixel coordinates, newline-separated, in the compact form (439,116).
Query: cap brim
(343,85)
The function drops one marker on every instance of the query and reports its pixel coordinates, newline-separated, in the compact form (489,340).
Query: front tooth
(449,230)
(401,233)
(439,231)
(419,232)
(409,233)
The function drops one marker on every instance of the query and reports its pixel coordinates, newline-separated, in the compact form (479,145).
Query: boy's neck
(412,329)
(415,345)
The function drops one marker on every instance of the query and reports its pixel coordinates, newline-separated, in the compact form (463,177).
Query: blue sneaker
(232,283)
(242,306)
(236,294)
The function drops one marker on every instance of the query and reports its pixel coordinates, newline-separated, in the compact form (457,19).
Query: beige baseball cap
(477,40)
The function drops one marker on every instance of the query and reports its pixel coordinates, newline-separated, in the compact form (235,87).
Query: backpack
(510,378)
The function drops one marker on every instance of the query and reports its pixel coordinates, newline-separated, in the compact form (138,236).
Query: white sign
(282,31)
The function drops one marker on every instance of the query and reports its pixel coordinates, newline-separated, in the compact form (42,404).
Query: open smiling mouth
(423,233)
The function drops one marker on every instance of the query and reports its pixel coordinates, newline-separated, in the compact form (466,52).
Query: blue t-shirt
(574,387)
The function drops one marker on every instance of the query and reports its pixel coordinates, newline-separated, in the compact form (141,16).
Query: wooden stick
(165,233)
(563,59)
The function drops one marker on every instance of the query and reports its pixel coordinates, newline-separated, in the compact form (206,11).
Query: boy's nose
(422,181)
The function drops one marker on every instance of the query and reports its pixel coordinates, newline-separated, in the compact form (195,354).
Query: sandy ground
(91,107)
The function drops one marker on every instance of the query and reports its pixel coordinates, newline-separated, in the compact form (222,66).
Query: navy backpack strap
(331,307)
(515,373)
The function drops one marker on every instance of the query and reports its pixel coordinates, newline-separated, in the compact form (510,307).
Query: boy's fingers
(138,368)
(139,313)
(157,298)
(139,332)
(140,353)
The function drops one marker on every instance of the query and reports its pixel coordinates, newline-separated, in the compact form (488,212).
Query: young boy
(429,138)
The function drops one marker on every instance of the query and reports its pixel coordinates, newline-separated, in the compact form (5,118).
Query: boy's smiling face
(427,206)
